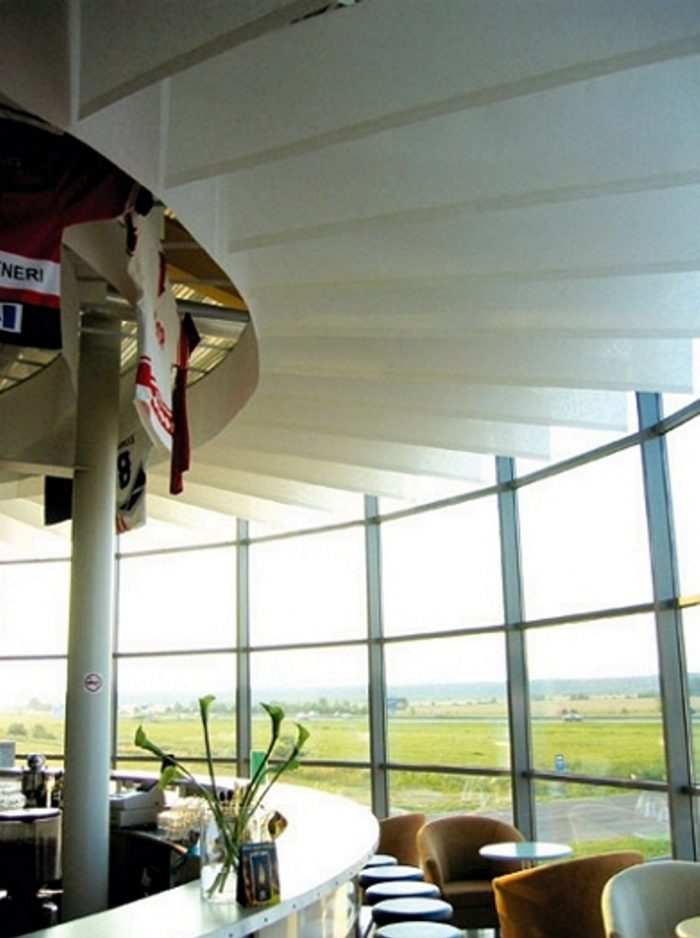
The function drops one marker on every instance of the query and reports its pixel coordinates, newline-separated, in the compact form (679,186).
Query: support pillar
(89,685)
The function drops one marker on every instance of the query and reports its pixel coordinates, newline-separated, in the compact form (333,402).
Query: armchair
(648,901)
(560,898)
(449,855)
(397,836)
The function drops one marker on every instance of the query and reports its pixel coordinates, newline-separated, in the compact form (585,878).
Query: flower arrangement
(233,820)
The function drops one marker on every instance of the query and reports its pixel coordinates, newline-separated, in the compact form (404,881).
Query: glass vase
(219,857)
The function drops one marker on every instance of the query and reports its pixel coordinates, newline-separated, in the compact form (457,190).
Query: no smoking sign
(92,682)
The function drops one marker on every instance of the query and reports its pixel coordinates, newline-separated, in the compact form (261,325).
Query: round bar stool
(401,889)
(380,859)
(418,930)
(411,909)
(382,874)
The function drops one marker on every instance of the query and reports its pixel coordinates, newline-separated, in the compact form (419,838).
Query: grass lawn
(627,747)
(605,743)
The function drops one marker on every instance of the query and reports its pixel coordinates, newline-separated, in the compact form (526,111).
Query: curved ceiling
(456,225)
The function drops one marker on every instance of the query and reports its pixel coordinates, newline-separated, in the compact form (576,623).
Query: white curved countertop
(328,840)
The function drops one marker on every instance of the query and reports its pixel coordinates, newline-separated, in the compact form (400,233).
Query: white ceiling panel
(128,45)
(427,59)
(623,364)
(587,408)
(347,477)
(459,226)
(571,145)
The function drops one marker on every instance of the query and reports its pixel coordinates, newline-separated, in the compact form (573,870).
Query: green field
(605,744)
(618,747)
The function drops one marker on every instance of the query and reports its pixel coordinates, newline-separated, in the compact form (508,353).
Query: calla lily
(276,715)
(232,827)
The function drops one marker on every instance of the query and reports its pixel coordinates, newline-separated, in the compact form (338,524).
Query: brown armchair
(560,898)
(397,837)
(449,855)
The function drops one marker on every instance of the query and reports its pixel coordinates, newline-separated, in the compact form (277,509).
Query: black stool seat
(411,910)
(381,874)
(401,889)
(381,859)
(418,930)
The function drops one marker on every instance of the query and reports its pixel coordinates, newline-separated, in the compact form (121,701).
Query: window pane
(600,820)
(441,570)
(683,445)
(163,692)
(595,699)
(447,701)
(476,472)
(584,538)
(674,402)
(34,608)
(567,442)
(198,526)
(309,588)
(437,793)
(334,507)
(340,780)
(325,689)
(32,705)
(178,601)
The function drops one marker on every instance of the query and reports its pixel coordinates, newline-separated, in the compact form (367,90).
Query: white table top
(526,850)
(689,927)
(328,840)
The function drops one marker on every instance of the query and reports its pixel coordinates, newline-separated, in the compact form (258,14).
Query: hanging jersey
(48,181)
(158,331)
(133,453)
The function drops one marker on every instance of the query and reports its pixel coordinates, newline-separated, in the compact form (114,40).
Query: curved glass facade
(529,650)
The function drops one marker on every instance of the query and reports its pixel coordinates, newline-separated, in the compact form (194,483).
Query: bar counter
(328,839)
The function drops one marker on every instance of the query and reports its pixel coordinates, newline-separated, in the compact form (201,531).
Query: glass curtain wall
(529,650)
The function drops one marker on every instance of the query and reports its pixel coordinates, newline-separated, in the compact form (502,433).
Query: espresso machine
(37,782)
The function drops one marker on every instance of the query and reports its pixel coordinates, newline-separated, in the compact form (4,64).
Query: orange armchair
(449,855)
(559,898)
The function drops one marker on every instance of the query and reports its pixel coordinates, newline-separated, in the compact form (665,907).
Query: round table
(689,927)
(529,851)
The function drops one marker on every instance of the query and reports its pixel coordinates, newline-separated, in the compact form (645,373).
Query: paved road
(575,820)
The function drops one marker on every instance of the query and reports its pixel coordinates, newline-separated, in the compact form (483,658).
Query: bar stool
(372,876)
(401,889)
(411,909)
(380,859)
(382,874)
(418,930)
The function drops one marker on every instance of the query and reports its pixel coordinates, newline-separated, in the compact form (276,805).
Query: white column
(89,689)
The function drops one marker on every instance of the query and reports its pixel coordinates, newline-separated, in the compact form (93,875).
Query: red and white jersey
(48,181)
(158,332)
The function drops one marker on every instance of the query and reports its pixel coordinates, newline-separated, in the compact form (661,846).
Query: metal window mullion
(115,670)
(672,667)
(379,783)
(242,626)
(518,688)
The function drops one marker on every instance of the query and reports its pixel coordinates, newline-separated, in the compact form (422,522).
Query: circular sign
(92,682)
